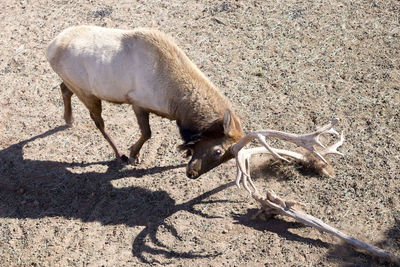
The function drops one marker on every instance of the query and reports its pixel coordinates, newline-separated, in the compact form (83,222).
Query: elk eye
(217,152)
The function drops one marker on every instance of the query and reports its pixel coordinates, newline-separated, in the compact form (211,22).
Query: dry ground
(286,65)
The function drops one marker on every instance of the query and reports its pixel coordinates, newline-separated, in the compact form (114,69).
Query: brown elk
(146,69)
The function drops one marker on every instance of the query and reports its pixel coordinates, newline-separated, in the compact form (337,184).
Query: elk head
(212,147)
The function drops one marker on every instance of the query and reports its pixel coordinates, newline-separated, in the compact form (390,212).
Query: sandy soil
(285,65)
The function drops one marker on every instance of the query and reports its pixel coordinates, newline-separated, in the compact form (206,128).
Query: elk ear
(228,123)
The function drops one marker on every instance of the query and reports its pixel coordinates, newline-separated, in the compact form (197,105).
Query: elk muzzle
(193,169)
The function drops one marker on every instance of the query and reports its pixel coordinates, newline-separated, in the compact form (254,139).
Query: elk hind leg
(66,95)
(94,106)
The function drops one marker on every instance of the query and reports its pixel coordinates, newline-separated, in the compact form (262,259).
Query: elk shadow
(37,189)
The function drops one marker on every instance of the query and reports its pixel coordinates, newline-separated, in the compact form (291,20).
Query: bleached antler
(308,141)
(272,204)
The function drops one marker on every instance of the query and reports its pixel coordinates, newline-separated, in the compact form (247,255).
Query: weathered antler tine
(243,170)
(246,186)
(281,152)
(261,138)
(311,148)
(248,171)
(333,148)
(327,126)
(253,185)
(240,160)
(329,131)
(239,175)
(332,131)
(324,129)
(319,156)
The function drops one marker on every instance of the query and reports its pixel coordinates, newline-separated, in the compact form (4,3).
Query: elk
(146,69)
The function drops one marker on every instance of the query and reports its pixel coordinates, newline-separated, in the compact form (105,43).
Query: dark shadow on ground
(140,246)
(392,235)
(37,189)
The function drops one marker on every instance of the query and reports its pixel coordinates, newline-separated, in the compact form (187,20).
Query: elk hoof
(134,160)
(124,159)
(69,121)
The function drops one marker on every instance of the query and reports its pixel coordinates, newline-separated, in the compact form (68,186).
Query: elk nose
(193,168)
(192,174)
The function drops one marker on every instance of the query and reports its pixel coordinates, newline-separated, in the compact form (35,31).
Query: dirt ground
(284,65)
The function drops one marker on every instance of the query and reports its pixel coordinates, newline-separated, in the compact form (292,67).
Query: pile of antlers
(272,204)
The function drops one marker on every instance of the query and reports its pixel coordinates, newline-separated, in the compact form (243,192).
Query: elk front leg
(143,121)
